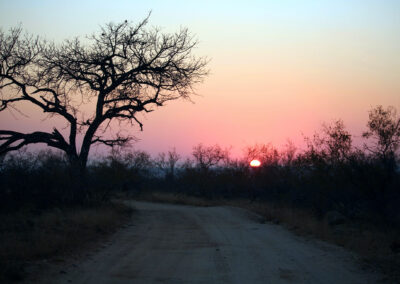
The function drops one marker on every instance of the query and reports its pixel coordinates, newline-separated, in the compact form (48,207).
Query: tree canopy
(384,129)
(125,69)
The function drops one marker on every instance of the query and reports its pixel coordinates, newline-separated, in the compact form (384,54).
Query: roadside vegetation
(44,215)
(332,190)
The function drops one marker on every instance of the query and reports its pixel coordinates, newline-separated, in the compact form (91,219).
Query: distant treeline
(330,174)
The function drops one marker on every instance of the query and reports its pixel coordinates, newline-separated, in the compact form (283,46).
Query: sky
(278,69)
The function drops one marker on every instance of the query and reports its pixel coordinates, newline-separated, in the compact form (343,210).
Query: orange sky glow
(278,69)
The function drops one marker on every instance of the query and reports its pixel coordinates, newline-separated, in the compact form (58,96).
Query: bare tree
(167,162)
(288,154)
(267,154)
(384,130)
(209,156)
(125,69)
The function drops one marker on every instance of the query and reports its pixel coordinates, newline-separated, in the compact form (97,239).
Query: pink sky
(277,70)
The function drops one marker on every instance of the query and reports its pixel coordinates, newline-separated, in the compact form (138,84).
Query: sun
(255,163)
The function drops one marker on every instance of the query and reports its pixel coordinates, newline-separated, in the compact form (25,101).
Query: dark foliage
(329,175)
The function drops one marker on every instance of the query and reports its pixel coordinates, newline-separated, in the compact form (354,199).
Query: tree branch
(15,140)
(118,141)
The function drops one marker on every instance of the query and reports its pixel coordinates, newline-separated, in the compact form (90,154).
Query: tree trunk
(78,180)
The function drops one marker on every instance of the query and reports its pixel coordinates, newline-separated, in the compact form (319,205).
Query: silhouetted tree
(337,141)
(209,156)
(288,154)
(139,161)
(384,129)
(125,69)
(333,145)
(267,154)
(134,160)
(167,162)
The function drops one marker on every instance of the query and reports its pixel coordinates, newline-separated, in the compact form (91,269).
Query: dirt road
(182,244)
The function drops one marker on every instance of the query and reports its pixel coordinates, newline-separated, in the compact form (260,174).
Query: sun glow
(255,163)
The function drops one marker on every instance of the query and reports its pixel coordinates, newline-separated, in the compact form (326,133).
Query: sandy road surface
(182,244)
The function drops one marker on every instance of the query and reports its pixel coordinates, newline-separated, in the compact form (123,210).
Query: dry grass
(28,236)
(378,247)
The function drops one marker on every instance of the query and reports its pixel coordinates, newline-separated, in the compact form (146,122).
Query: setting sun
(227,128)
(255,163)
